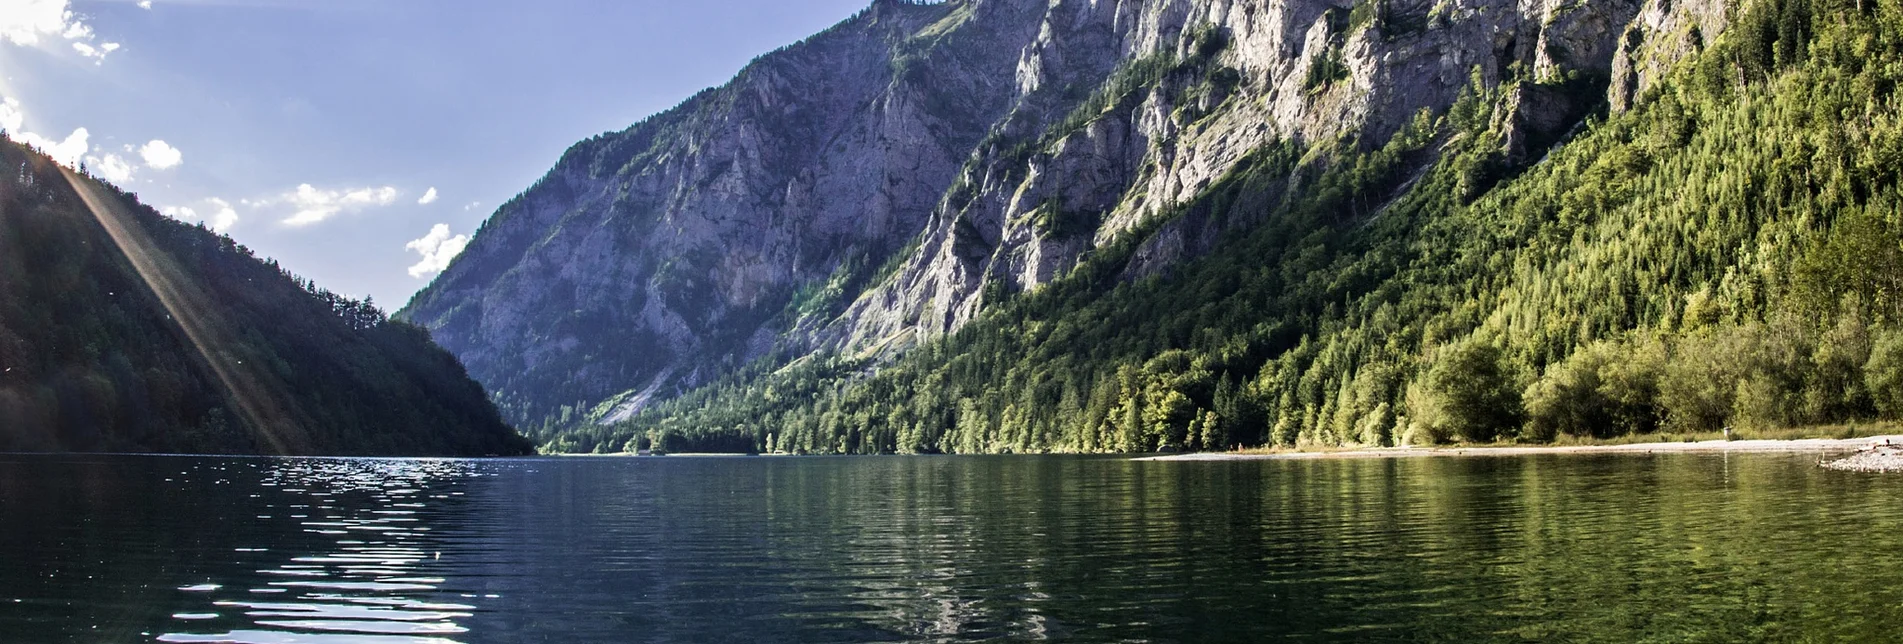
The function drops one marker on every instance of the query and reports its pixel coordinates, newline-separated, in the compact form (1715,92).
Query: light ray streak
(251,389)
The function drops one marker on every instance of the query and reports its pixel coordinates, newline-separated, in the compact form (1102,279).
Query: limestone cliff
(864,189)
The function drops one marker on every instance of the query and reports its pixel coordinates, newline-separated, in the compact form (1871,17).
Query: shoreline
(1757,446)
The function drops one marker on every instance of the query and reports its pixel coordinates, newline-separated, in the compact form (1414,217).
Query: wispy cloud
(96,53)
(314,206)
(221,215)
(437,249)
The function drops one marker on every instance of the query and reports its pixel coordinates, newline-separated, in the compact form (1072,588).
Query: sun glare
(251,389)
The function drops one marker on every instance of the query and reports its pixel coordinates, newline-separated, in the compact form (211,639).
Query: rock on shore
(1882,457)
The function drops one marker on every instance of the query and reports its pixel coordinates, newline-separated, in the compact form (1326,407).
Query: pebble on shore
(1875,458)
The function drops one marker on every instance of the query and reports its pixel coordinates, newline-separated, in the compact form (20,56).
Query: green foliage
(1610,388)
(1326,69)
(91,360)
(1394,22)
(1468,395)
(1725,253)
(1362,15)
(1751,376)
(1210,41)
(577,349)
(826,297)
(1884,374)
(1859,260)
(1054,221)
(1197,75)
(1047,371)
(1129,83)
(1330,66)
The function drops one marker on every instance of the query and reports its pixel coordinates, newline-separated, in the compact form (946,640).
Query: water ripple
(365,590)
(1765,548)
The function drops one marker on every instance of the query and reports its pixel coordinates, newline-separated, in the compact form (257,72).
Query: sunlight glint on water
(363,589)
(1594,549)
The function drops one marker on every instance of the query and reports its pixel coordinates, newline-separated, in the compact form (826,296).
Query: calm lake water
(1676,548)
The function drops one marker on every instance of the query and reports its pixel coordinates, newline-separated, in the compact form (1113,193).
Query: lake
(1668,548)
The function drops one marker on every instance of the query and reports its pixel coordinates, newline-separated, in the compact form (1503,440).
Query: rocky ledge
(1880,457)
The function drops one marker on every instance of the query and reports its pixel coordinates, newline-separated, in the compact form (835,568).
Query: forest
(1724,254)
(122,330)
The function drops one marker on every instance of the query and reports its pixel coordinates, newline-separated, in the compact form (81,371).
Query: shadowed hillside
(123,330)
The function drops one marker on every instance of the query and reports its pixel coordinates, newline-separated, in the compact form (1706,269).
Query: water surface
(1667,548)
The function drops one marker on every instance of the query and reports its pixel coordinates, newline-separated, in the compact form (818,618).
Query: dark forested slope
(123,330)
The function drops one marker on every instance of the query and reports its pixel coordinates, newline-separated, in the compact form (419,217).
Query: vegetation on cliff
(1725,253)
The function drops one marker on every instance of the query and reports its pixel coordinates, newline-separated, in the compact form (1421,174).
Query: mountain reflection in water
(944,549)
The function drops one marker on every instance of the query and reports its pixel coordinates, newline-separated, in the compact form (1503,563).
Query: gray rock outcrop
(862,190)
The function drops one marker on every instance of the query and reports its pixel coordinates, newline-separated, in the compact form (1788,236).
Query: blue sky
(358,141)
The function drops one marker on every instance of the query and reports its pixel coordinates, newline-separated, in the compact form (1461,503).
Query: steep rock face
(661,253)
(1235,76)
(866,189)
(1664,33)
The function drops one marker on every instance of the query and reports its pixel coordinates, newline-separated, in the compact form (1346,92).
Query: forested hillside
(122,330)
(1726,250)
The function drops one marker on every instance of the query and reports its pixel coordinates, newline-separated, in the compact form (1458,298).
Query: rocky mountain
(122,330)
(1195,88)
(685,246)
(880,184)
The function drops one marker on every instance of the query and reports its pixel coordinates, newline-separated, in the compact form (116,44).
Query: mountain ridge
(1059,58)
(1154,145)
(122,330)
(677,278)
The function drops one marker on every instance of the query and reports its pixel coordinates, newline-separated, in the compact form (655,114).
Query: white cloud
(98,54)
(473,205)
(437,248)
(222,217)
(145,4)
(24,22)
(428,197)
(67,151)
(160,155)
(11,118)
(112,168)
(75,28)
(31,23)
(314,205)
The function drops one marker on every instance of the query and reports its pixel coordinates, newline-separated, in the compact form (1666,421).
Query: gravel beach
(1870,453)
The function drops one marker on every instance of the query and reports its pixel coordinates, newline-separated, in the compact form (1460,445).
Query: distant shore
(1806,445)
